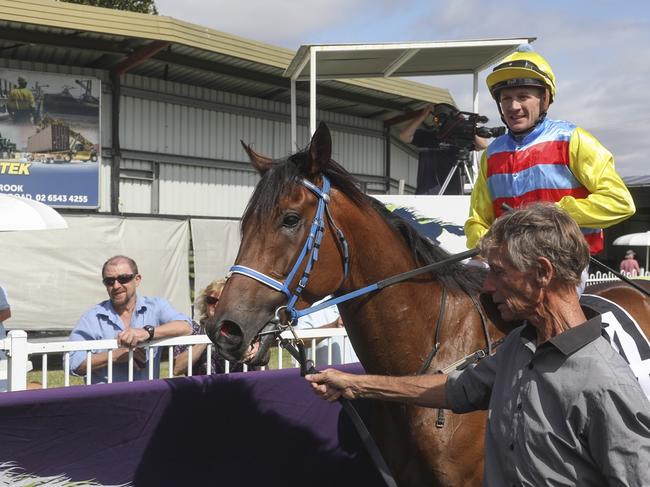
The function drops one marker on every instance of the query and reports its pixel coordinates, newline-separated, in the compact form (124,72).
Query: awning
(349,61)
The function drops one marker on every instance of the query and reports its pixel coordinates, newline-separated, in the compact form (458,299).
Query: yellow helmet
(522,68)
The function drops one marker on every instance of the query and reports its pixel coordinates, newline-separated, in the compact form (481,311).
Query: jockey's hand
(331,384)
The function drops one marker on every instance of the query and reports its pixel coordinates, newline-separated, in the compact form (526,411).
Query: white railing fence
(598,277)
(20,352)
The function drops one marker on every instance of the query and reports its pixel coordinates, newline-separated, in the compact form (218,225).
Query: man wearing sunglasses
(131,319)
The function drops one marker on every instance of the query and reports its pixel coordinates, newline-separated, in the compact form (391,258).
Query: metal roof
(316,62)
(60,33)
(340,61)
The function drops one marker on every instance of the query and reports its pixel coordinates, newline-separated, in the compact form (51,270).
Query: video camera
(454,129)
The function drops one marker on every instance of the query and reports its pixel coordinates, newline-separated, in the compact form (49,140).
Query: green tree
(142,6)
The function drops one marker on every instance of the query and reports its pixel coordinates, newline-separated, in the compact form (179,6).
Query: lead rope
(307,367)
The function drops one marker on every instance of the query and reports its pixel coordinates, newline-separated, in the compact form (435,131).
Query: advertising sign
(50,138)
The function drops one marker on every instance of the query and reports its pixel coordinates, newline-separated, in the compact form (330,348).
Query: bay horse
(394,331)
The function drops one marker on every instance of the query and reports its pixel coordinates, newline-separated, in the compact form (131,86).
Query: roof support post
(475,110)
(387,162)
(115,145)
(312,91)
(294,117)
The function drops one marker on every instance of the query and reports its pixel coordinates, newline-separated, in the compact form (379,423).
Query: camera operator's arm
(406,135)
(480,143)
(481,212)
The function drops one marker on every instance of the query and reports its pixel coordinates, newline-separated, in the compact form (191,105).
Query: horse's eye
(290,220)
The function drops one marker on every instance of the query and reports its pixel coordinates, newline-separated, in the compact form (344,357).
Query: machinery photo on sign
(50,138)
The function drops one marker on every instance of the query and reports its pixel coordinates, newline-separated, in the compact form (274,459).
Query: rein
(307,367)
(310,251)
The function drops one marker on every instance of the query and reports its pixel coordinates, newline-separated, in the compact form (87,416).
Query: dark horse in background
(393,330)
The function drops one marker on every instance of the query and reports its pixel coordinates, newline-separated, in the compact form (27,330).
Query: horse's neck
(377,251)
(390,329)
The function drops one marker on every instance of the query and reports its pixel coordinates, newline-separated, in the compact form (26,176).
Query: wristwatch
(151,330)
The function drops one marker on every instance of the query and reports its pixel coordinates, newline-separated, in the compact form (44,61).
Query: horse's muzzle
(232,344)
(228,337)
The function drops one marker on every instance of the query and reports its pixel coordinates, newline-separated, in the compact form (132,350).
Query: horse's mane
(285,176)
(469,278)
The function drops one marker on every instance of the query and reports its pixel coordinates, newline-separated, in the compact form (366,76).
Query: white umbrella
(24,214)
(641,239)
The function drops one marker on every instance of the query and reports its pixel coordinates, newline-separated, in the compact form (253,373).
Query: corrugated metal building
(176,99)
(188,94)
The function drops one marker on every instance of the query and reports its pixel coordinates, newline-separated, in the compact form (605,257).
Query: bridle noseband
(309,251)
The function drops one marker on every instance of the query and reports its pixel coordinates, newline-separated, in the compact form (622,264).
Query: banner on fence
(239,429)
(55,275)
(215,244)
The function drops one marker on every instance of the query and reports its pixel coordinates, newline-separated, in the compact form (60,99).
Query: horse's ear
(320,149)
(260,162)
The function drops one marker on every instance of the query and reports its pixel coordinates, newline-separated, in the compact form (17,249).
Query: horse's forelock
(277,182)
(282,180)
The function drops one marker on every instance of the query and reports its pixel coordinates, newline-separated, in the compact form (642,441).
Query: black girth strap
(436,343)
(307,367)
(464,362)
(484,321)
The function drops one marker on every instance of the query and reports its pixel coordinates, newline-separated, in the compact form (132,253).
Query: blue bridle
(309,251)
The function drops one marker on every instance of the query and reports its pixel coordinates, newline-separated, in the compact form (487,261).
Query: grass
(55,377)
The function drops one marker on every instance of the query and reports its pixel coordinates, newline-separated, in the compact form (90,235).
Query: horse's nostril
(230,329)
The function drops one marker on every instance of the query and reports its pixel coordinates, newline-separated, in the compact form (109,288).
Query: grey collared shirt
(569,412)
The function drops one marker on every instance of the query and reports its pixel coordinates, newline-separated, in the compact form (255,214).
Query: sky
(599,49)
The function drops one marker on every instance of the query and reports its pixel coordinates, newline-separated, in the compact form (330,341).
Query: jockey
(540,159)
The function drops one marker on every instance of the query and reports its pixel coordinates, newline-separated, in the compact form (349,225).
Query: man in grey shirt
(564,407)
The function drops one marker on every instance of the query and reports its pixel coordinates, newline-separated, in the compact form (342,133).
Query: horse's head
(275,226)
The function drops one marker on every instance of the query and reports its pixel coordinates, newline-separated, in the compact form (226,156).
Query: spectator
(206,304)
(564,405)
(540,159)
(434,162)
(133,320)
(5,314)
(21,103)
(629,265)
(342,350)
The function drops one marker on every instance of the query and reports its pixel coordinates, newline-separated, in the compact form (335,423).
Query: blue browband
(309,251)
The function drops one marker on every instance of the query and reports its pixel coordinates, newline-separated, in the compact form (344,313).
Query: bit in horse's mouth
(253,348)
(259,350)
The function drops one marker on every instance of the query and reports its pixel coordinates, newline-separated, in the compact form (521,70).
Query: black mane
(454,275)
(286,175)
